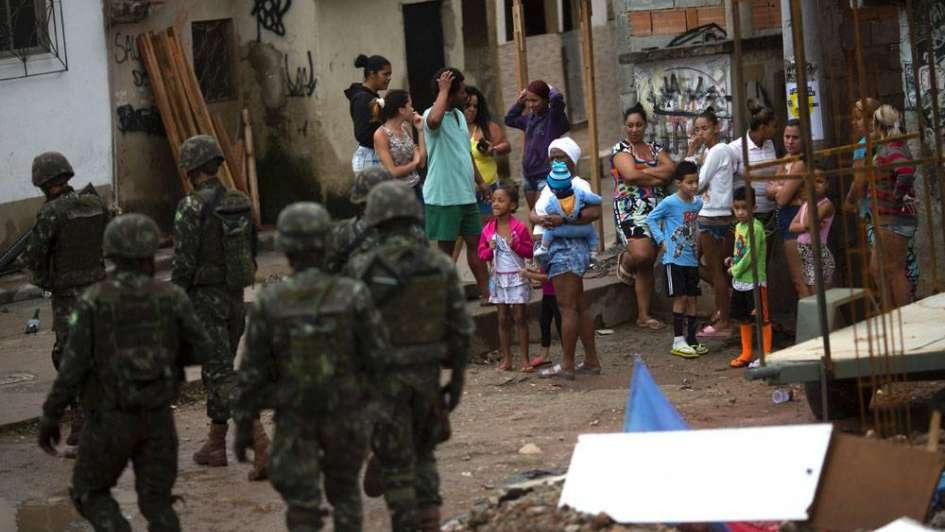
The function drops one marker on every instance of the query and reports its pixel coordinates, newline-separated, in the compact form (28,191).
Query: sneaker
(685,351)
(700,349)
(539,251)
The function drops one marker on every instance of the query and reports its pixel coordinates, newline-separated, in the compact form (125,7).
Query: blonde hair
(887,119)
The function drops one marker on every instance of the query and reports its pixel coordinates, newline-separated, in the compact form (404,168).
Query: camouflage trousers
(110,439)
(410,420)
(63,302)
(223,315)
(305,448)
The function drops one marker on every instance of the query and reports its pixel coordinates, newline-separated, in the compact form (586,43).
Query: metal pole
(741,105)
(800,62)
(590,105)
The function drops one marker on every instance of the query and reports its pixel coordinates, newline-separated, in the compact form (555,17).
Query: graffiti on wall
(674,92)
(931,50)
(304,83)
(269,14)
(143,120)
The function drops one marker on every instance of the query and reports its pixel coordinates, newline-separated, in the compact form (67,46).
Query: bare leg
(567,287)
(519,314)
(713,251)
(793,258)
(478,268)
(505,337)
(640,256)
(457,249)
(586,330)
(892,265)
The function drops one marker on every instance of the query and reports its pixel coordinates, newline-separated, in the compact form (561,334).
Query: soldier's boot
(430,519)
(302,520)
(260,453)
(373,478)
(75,430)
(213,452)
(101,510)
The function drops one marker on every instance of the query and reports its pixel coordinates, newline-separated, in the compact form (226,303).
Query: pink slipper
(709,331)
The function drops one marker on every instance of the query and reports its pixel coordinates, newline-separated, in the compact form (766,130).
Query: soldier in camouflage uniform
(313,346)
(417,290)
(350,235)
(64,252)
(214,260)
(130,337)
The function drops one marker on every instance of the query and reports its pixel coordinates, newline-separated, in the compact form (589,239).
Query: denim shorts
(786,215)
(534,184)
(905,230)
(566,255)
(717,226)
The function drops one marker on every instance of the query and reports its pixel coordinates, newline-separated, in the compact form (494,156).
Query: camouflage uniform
(313,345)
(201,267)
(64,251)
(129,338)
(417,290)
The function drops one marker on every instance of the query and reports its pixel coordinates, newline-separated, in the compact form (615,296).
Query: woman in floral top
(640,170)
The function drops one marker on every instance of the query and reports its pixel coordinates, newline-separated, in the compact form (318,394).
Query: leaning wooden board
(922,342)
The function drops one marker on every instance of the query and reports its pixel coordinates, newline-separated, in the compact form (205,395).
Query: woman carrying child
(506,243)
(393,141)
(567,202)
(801,226)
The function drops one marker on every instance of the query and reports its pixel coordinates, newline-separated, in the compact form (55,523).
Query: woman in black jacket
(377,73)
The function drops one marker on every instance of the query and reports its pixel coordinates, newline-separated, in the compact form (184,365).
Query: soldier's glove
(243,440)
(453,391)
(49,435)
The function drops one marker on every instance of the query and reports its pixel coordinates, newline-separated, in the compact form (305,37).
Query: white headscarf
(568,146)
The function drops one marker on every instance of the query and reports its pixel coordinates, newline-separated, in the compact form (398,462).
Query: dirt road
(500,413)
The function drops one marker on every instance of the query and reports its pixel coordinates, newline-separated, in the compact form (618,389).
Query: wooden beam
(518,27)
(251,178)
(590,105)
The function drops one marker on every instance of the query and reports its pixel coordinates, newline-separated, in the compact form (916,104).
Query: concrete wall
(65,111)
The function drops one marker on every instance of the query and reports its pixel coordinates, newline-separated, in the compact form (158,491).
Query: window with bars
(24,28)
(213,58)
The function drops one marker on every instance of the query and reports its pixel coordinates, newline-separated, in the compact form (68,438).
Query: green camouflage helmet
(391,200)
(365,180)
(50,165)
(133,236)
(302,226)
(199,150)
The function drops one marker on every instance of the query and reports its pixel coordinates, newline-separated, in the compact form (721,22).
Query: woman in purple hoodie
(546,121)
(377,74)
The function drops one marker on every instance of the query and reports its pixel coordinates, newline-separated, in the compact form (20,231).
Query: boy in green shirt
(743,285)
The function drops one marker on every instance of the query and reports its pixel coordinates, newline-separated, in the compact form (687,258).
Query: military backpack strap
(211,205)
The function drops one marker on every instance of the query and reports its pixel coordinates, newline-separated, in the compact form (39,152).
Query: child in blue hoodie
(568,202)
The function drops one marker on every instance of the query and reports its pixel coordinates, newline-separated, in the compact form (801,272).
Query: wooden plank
(251,177)
(175,88)
(194,98)
(521,54)
(590,106)
(171,127)
(229,153)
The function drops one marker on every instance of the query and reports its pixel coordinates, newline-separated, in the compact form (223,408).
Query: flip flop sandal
(653,324)
(583,369)
(556,372)
(538,362)
(709,331)
(738,362)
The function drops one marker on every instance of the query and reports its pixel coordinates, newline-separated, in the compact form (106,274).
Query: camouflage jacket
(85,367)
(406,324)
(42,242)
(339,338)
(350,237)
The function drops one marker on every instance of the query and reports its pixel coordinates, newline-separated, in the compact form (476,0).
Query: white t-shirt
(715,180)
(544,198)
(759,178)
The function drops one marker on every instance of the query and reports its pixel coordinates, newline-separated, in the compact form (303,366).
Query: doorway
(423,33)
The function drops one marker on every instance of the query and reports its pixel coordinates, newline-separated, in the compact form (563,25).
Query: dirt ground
(500,413)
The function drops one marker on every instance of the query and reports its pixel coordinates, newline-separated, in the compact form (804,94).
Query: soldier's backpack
(229,215)
(136,353)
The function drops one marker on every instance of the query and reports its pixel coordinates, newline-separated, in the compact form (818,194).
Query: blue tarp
(648,410)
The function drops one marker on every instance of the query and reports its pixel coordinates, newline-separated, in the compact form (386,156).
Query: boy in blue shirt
(567,202)
(673,226)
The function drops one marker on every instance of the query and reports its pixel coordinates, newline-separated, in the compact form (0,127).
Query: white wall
(66,111)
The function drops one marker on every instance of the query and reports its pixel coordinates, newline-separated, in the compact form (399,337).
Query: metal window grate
(32,38)
(213,59)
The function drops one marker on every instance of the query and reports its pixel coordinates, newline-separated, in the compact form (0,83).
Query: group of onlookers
(459,143)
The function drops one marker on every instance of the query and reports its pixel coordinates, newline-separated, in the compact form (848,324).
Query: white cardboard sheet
(697,476)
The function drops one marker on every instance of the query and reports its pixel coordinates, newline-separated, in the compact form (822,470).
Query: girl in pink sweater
(505,243)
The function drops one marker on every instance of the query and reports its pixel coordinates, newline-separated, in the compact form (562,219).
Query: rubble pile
(534,506)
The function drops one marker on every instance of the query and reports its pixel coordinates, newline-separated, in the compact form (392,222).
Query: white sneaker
(540,250)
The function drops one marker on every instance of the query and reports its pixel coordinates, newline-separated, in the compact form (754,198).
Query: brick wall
(674,21)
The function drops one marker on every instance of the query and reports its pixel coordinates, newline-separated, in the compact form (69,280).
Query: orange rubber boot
(767,335)
(745,357)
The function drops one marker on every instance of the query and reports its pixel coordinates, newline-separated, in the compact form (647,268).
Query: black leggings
(549,310)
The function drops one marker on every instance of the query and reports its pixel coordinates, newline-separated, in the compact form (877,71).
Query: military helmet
(133,236)
(199,150)
(391,200)
(365,180)
(50,165)
(302,226)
